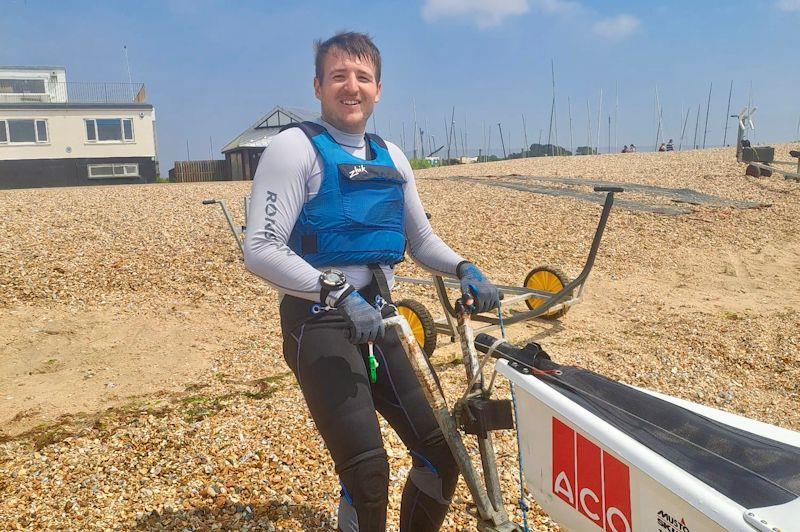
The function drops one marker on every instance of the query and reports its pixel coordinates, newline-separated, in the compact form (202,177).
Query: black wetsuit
(333,376)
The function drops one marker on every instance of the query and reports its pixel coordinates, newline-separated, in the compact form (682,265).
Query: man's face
(348,91)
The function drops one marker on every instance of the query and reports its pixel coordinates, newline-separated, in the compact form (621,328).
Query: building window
(22,86)
(97,171)
(109,129)
(28,131)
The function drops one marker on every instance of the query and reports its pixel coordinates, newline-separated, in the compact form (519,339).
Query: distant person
(625,149)
(632,149)
(670,146)
(663,147)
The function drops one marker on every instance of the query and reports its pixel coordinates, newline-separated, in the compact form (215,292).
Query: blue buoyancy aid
(357,216)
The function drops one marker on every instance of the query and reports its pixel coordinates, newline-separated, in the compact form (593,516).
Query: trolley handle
(209,202)
(460,305)
(609,189)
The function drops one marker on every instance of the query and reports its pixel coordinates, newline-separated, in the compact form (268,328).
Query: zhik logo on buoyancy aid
(367,172)
(357,169)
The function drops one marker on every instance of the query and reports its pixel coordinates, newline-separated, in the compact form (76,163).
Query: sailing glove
(366,322)
(485,294)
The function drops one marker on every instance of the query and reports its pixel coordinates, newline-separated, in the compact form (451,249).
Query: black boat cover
(751,470)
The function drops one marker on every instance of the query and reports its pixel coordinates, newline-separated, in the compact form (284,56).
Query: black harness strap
(380,281)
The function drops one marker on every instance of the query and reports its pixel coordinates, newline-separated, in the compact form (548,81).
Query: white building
(59,133)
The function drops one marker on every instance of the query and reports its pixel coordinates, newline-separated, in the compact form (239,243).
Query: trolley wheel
(546,279)
(421,323)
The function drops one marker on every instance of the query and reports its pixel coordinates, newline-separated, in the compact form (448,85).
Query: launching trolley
(546,291)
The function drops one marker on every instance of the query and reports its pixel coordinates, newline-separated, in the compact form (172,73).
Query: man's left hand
(483,291)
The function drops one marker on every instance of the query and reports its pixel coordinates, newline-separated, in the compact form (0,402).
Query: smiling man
(332,210)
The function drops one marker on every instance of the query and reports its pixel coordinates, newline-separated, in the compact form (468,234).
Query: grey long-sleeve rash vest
(288,175)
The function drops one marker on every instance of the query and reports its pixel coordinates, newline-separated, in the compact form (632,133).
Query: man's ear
(317,89)
(378,94)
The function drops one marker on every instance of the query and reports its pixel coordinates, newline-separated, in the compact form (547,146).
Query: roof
(255,137)
(57,105)
(25,67)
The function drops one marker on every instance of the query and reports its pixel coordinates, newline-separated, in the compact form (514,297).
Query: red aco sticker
(593,482)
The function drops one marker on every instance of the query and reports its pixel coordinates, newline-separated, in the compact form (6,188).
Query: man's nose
(351,83)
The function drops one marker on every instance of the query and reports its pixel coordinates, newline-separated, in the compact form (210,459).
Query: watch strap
(341,295)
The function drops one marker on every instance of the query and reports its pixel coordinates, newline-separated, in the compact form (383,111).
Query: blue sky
(213,67)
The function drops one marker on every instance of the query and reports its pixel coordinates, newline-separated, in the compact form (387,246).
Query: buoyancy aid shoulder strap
(377,140)
(311,129)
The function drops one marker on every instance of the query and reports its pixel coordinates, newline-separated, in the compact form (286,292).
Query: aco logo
(590,480)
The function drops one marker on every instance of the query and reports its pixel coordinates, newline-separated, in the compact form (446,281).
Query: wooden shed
(243,152)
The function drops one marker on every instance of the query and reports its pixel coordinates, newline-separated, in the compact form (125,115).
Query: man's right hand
(366,322)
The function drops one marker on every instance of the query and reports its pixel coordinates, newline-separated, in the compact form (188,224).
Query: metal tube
(440,410)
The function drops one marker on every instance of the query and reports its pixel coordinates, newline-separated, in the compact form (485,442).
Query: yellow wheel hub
(544,281)
(414,322)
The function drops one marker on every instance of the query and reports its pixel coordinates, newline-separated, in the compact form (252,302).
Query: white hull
(588,475)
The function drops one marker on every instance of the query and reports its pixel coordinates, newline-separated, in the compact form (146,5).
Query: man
(670,146)
(332,211)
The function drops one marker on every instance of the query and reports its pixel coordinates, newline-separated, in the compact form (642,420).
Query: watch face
(332,278)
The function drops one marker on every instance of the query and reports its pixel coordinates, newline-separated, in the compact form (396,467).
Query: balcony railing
(80,92)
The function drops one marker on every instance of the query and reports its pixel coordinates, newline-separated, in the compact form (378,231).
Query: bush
(419,164)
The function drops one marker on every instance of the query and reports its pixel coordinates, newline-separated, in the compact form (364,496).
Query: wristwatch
(331,280)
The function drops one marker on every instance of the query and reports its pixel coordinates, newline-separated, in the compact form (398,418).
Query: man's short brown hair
(354,44)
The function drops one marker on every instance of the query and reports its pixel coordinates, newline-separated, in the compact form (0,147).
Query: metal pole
(696,125)
(422,143)
(708,108)
(550,130)
(502,141)
(447,132)
(658,120)
(450,138)
(525,135)
(211,148)
(599,117)
(685,120)
(466,144)
(484,139)
(609,133)
(374,127)
(552,109)
(571,142)
(403,136)
(616,115)
(555,110)
(489,148)
(414,131)
(588,127)
(187,151)
(127,64)
(727,116)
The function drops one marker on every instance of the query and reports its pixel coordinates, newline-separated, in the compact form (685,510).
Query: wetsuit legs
(333,377)
(400,399)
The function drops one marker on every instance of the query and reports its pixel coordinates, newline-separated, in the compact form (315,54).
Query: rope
(521,501)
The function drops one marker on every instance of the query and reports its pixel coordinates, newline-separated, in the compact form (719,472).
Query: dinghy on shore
(597,453)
